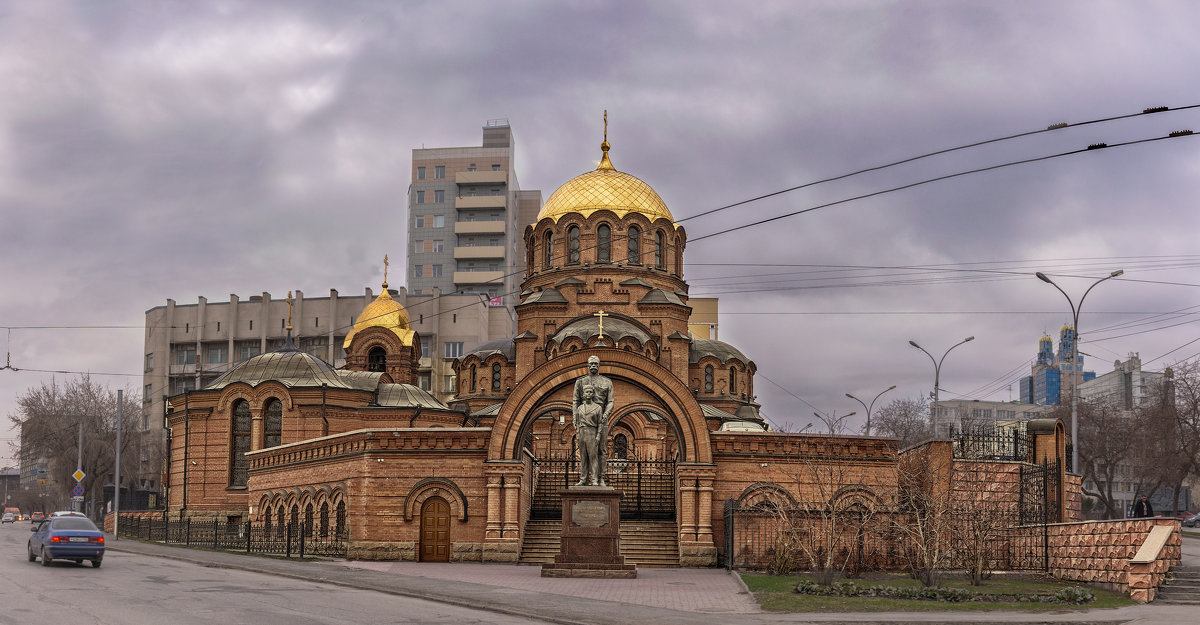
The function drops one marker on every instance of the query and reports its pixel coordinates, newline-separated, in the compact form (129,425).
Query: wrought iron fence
(753,534)
(298,539)
(989,444)
(648,486)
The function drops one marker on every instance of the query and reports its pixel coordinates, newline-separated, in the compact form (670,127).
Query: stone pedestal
(591,535)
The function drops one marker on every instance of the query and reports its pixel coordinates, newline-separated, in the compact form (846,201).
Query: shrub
(1072,594)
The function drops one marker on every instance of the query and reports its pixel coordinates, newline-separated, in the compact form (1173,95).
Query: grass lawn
(777,594)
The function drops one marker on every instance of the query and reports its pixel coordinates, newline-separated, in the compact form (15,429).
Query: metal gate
(1041,486)
(648,486)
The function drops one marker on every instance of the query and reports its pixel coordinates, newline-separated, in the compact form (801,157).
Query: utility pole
(77,505)
(116,509)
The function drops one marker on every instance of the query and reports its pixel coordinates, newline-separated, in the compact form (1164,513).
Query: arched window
(496,377)
(635,246)
(294,530)
(238,465)
(620,447)
(603,244)
(339,520)
(733,380)
(472,378)
(267,523)
(308,519)
(273,424)
(659,244)
(573,245)
(325,520)
(548,248)
(708,378)
(678,256)
(376,359)
(280,524)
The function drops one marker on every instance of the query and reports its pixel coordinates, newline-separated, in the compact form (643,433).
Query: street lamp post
(1075,360)
(937,375)
(868,408)
(833,422)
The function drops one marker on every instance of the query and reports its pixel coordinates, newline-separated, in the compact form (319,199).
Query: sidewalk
(658,596)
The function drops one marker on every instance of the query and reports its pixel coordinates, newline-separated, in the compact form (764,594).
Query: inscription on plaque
(589,514)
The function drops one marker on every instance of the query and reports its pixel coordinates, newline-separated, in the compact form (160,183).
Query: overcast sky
(154,150)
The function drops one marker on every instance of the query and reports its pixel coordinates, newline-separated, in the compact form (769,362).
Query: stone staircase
(644,543)
(1183,589)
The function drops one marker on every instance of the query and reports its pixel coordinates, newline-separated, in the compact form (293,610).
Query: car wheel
(45,557)
(32,557)
(95,564)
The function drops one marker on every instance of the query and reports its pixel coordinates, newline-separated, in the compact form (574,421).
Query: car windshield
(73,523)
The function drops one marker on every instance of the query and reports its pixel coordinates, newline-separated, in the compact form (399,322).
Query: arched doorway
(435,531)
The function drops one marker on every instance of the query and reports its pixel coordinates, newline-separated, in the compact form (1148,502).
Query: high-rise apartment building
(466,218)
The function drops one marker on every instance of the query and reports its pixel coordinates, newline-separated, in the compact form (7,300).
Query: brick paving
(711,591)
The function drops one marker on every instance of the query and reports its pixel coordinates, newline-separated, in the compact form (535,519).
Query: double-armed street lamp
(937,376)
(832,421)
(872,405)
(1075,359)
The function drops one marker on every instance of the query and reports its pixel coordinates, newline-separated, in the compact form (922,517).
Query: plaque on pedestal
(591,535)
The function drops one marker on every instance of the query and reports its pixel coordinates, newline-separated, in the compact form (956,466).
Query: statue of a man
(591,406)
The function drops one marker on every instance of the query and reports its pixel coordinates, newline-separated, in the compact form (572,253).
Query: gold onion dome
(605,188)
(384,312)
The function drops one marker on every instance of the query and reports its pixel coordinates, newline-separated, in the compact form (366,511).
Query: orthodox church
(363,452)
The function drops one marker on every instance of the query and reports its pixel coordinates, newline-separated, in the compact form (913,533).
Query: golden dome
(605,188)
(384,312)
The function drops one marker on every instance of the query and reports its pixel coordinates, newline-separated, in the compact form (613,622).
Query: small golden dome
(605,188)
(384,312)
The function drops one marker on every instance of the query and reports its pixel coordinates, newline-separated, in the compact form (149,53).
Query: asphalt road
(134,589)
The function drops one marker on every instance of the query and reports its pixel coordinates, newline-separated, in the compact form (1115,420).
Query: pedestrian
(1143,508)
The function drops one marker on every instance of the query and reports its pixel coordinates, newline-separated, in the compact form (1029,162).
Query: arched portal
(656,416)
(435,530)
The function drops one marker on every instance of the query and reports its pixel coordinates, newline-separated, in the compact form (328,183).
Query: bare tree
(925,519)
(1169,442)
(50,417)
(1106,434)
(905,419)
(984,510)
(831,516)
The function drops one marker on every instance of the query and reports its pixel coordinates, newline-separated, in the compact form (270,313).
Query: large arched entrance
(643,451)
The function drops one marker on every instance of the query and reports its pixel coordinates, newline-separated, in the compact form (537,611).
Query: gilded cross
(601,314)
(385,268)
(605,131)
(289,319)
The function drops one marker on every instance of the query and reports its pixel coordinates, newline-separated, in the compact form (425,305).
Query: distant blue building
(1048,383)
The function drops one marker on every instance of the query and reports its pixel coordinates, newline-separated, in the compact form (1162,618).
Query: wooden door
(435,530)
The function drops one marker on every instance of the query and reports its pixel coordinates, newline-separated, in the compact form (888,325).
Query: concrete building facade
(1126,386)
(466,213)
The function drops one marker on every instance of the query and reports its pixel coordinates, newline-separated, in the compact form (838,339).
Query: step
(647,544)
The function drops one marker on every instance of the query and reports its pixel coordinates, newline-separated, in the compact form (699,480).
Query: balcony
(478,251)
(479,277)
(481,177)
(480,227)
(481,201)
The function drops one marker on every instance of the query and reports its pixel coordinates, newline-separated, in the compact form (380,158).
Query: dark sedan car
(67,538)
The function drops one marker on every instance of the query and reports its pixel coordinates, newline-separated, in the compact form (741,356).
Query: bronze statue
(591,407)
